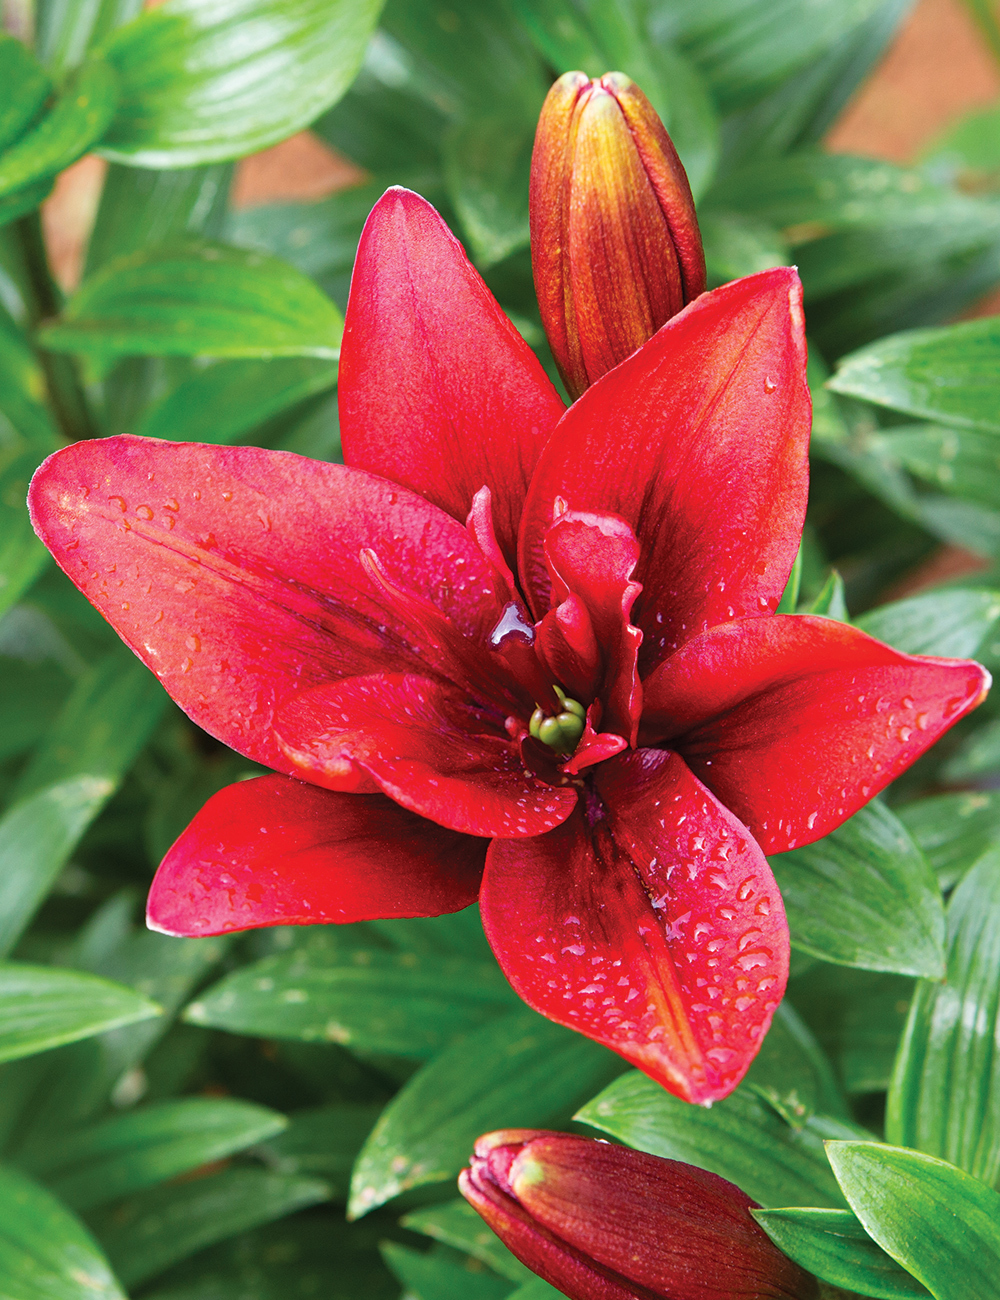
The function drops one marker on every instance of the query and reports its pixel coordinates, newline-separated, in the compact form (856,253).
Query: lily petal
(649,921)
(273,851)
(699,441)
(426,745)
(239,576)
(795,722)
(437,390)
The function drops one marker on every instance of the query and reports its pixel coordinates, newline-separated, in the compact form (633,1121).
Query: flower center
(560,731)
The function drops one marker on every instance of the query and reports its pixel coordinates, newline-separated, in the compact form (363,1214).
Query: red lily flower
(360,629)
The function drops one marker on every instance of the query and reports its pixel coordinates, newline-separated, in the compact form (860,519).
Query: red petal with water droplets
(590,558)
(795,722)
(426,746)
(652,924)
(274,851)
(438,391)
(236,575)
(699,441)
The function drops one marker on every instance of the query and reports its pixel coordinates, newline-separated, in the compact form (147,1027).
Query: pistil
(560,731)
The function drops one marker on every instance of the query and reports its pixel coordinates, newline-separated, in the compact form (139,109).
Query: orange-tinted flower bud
(615,245)
(603,1222)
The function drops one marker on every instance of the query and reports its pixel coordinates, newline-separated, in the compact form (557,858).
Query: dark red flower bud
(603,1222)
(615,245)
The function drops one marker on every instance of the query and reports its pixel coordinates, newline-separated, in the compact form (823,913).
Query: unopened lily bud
(615,245)
(603,1222)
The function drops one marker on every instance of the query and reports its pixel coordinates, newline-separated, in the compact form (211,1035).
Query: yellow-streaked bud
(615,246)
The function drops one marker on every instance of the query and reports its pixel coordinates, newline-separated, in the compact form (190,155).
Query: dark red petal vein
(273,851)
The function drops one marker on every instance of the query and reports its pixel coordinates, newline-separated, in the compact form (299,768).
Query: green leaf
(945,1093)
(208,80)
(322,1142)
(26,88)
(536,1289)
(155,1228)
(938,1222)
(224,401)
(66,29)
(487,167)
(22,555)
(950,374)
(834,1246)
(977,754)
(457,1224)
(76,120)
(517,1072)
(953,830)
(865,896)
(128,1152)
(736,246)
(403,1004)
(962,462)
(42,1007)
(740,1138)
(439,1275)
(22,392)
(951,623)
(791,1072)
(90,747)
(830,602)
(24,200)
(968,154)
(45,1253)
(857,1017)
(198,299)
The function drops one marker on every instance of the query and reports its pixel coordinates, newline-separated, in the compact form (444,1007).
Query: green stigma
(561,732)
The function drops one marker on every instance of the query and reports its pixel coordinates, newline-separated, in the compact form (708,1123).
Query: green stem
(44,301)
(985,14)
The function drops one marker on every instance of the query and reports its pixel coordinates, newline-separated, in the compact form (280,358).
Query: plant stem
(43,300)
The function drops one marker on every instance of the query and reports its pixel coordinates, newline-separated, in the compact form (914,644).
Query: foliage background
(192,1127)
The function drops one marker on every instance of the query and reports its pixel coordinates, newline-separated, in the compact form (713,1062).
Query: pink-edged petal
(239,575)
(649,921)
(438,391)
(274,851)
(699,441)
(427,746)
(795,722)
(587,635)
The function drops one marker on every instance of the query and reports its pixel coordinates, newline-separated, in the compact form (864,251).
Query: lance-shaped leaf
(942,1225)
(207,80)
(442,1275)
(834,1246)
(953,830)
(46,1253)
(740,1138)
(41,1007)
(25,89)
(198,299)
(952,623)
(456,1224)
(945,1093)
(865,896)
(22,556)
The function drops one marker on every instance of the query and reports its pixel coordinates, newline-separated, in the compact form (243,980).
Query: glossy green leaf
(834,1246)
(90,747)
(26,88)
(953,830)
(968,154)
(736,246)
(830,602)
(322,1142)
(225,400)
(977,754)
(857,1017)
(938,1222)
(443,1275)
(517,1072)
(951,623)
(147,1146)
(155,1228)
(400,1003)
(536,1289)
(22,392)
(20,202)
(66,29)
(791,1071)
(457,1224)
(865,896)
(962,462)
(745,48)
(487,167)
(945,1094)
(950,374)
(43,1006)
(198,299)
(208,80)
(740,1138)
(75,121)
(22,555)
(46,1253)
